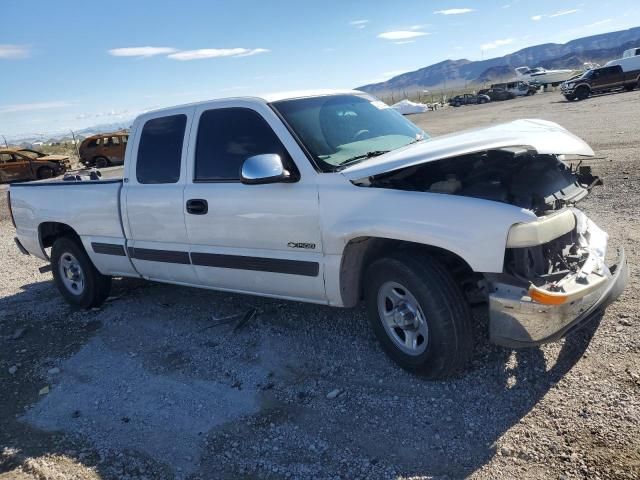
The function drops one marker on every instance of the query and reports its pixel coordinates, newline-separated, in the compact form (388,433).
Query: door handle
(197,206)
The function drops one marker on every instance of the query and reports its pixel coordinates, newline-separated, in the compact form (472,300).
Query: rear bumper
(516,321)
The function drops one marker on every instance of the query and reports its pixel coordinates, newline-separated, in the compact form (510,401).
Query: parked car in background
(497,94)
(25,164)
(433,224)
(469,99)
(625,74)
(518,88)
(104,150)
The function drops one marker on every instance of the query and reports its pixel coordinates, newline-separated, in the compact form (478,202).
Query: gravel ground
(149,387)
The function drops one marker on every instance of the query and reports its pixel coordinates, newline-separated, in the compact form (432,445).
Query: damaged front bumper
(517,320)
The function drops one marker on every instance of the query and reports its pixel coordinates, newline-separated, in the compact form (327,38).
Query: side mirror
(261,169)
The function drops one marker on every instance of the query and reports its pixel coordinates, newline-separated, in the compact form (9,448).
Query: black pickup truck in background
(601,80)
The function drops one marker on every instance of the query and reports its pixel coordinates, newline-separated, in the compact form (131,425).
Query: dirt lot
(148,387)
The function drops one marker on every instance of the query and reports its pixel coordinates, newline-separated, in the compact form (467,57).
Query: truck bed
(90,207)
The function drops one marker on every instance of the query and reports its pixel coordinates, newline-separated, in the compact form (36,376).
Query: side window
(160,150)
(125,139)
(227,137)
(4,157)
(115,140)
(92,144)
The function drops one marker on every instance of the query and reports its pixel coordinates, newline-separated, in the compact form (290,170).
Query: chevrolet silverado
(332,197)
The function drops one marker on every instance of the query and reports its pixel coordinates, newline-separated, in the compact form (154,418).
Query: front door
(153,198)
(262,239)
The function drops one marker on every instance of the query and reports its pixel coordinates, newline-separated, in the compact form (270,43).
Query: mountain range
(456,73)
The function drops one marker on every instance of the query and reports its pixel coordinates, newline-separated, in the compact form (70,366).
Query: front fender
(474,229)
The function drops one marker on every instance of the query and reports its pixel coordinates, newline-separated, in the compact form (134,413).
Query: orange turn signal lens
(547,298)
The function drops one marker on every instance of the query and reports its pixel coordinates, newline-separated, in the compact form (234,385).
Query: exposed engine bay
(540,183)
(544,184)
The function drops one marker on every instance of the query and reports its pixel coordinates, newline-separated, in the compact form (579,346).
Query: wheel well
(49,232)
(362,251)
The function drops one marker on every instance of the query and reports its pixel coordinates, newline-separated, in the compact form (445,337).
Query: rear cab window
(160,150)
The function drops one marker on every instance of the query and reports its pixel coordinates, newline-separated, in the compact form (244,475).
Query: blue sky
(72,64)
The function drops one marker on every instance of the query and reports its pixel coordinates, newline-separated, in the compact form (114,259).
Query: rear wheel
(629,87)
(45,172)
(419,314)
(101,162)
(77,279)
(582,93)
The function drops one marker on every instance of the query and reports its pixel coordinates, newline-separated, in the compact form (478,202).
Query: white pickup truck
(332,197)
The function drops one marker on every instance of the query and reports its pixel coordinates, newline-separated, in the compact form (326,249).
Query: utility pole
(5,142)
(75,143)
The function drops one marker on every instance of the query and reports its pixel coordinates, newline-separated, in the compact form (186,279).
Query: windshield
(341,130)
(31,153)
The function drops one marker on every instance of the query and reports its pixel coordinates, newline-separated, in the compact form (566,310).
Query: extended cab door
(262,239)
(153,211)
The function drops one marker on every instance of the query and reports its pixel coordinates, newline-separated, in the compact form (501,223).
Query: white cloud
(418,27)
(31,107)
(559,13)
(496,44)
(598,23)
(359,23)
(404,42)
(401,35)
(563,12)
(215,53)
(141,52)
(12,52)
(454,11)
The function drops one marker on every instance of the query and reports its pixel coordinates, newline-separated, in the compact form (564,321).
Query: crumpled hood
(540,135)
(54,158)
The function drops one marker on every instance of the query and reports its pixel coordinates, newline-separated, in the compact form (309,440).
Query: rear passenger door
(153,197)
(262,239)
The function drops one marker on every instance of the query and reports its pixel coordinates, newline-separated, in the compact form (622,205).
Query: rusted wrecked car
(25,164)
(104,149)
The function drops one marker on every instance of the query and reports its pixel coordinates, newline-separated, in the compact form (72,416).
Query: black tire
(449,342)
(45,172)
(95,286)
(100,162)
(582,93)
(571,98)
(629,87)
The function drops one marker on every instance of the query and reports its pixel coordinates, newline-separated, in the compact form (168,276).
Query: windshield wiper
(373,153)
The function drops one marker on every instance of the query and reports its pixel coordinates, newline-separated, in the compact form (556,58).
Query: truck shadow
(414,427)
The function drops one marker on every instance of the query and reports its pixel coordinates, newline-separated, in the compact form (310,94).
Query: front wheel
(571,98)
(77,279)
(419,314)
(101,162)
(45,172)
(582,93)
